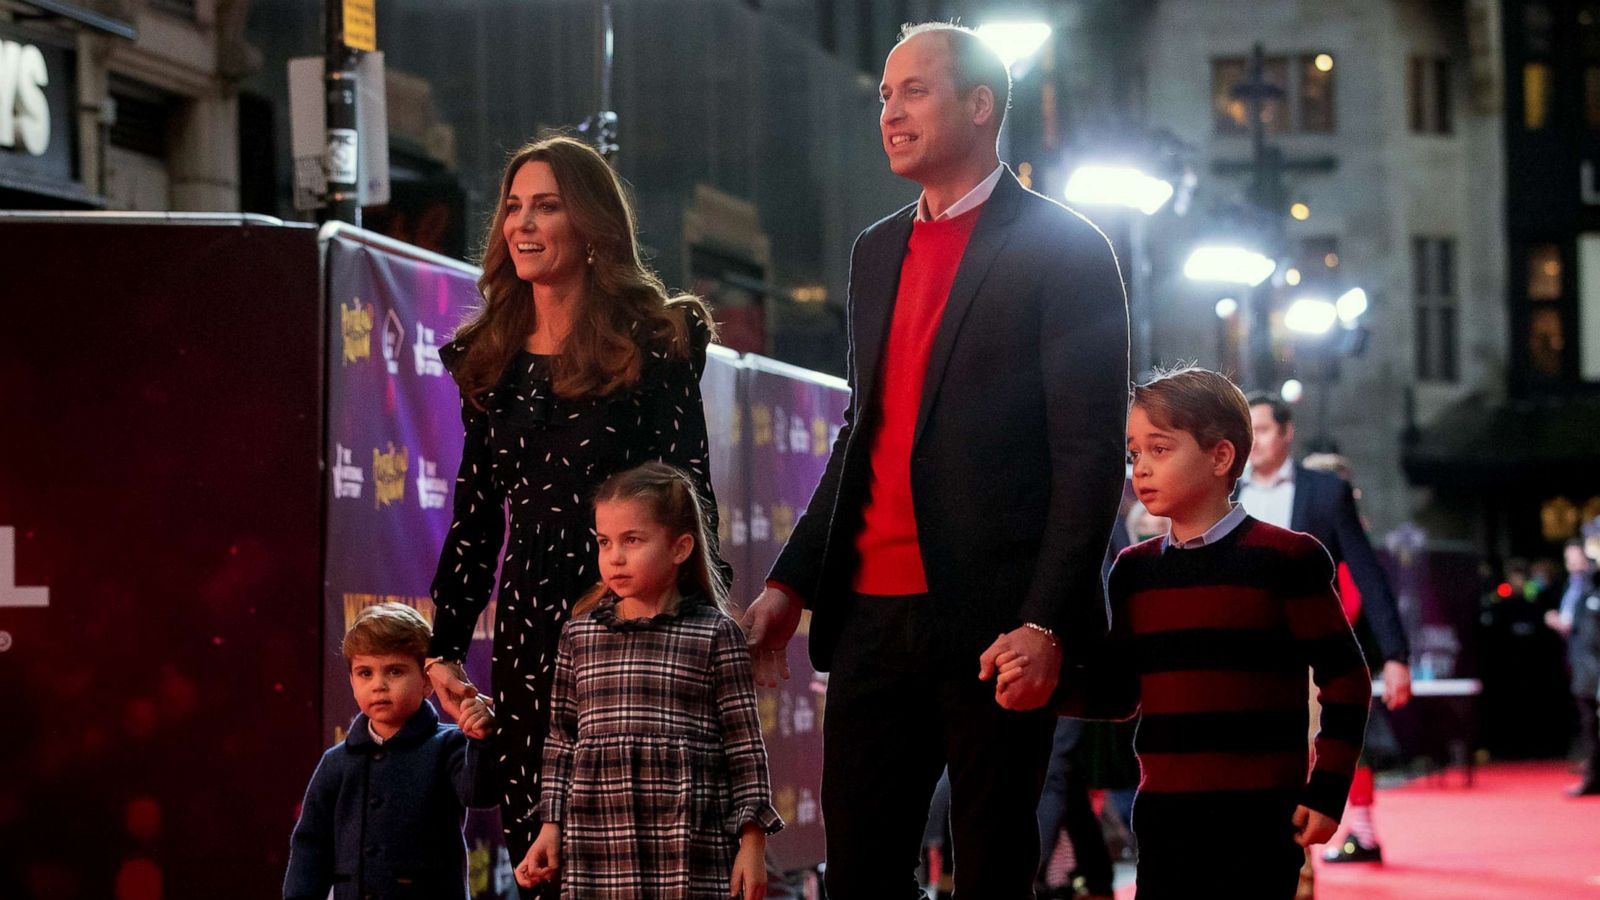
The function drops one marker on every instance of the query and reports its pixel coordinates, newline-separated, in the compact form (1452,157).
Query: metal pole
(1266,193)
(1139,300)
(343,159)
(601,128)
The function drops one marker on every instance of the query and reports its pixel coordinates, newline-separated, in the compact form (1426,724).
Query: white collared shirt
(1217,532)
(376,737)
(1272,500)
(974,198)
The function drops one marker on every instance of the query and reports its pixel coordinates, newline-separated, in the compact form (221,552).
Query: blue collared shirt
(1217,532)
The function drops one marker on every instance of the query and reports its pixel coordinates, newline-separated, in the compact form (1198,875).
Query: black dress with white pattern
(530,464)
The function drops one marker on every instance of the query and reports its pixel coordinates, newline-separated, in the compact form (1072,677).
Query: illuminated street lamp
(1228,264)
(1112,185)
(1014,41)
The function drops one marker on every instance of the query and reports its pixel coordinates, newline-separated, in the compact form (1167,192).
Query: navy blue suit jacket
(1325,508)
(1018,450)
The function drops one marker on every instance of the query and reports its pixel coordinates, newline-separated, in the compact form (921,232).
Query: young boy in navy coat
(382,816)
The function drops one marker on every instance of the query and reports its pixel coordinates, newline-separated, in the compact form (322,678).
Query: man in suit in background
(1283,492)
(969,495)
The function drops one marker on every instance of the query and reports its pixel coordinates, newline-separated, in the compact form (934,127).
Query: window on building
(1231,114)
(1547,325)
(1544,272)
(1547,342)
(1536,88)
(1316,93)
(1430,96)
(1305,105)
(1433,274)
(1589,48)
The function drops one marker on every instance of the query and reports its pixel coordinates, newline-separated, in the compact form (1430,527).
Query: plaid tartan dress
(654,761)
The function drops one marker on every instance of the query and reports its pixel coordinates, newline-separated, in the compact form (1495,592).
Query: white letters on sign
(24,114)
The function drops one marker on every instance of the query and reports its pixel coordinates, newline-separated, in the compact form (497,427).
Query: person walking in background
(1577,619)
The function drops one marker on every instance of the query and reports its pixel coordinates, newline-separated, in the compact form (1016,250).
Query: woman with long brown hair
(577,365)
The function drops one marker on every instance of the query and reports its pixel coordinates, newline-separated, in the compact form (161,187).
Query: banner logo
(431,489)
(347,477)
(356,322)
(394,338)
(425,352)
(389,475)
(11,594)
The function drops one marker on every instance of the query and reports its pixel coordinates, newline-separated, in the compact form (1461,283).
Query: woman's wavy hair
(625,306)
(668,493)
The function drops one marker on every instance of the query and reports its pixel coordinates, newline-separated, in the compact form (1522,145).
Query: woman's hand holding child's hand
(749,881)
(543,859)
(477,718)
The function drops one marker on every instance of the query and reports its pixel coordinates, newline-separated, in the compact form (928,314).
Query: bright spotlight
(1014,41)
(1310,315)
(1226,307)
(1351,304)
(1292,391)
(1233,265)
(1102,185)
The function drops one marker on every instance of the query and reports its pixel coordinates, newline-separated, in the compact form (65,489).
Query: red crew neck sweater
(891,561)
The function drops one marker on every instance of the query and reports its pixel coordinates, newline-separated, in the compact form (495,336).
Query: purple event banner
(393,446)
(792,417)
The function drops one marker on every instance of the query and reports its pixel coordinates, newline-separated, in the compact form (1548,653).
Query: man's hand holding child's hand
(1024,665)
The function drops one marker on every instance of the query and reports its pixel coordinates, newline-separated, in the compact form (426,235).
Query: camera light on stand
(1103,185)
(1233,265)
(1351,304)
(1311,316)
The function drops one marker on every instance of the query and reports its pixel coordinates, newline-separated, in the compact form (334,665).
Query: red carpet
(1512,835)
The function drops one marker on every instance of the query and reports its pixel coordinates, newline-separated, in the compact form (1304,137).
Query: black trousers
(903,702)
(1589,736)
(1237,844)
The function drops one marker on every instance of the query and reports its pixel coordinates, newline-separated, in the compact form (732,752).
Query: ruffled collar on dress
(606,614)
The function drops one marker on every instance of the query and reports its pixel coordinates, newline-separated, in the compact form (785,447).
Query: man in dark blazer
(967,503)
(1284,492)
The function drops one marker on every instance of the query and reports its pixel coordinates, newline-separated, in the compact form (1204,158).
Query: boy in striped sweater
(1214,626)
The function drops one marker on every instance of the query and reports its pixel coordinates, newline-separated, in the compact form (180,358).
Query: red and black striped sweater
(1211,645)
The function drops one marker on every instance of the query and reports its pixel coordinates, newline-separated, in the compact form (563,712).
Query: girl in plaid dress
(655,775)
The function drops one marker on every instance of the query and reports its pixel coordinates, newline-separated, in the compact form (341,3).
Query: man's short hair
(386,628)
(972,61)
(1205,404)
(1282,412)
